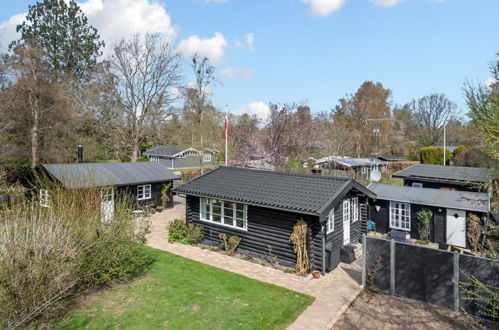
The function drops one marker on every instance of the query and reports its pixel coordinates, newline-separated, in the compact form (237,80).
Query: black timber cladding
(439,173)
(300,193)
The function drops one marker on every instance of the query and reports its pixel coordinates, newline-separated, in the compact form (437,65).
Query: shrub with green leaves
(433,155)
(230,243)
(424,218)
(180,231)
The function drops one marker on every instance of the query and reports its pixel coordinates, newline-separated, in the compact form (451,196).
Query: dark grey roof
(391,158)
(440,173)
(163,150)
(462,200)
(294,192)
(109,174)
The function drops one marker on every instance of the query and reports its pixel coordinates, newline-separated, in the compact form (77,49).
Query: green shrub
(142,159)
(48,255)
(179,231)
(433,155)
(194,233)
(125,159)
(458,151)
(424,217)
(230,243)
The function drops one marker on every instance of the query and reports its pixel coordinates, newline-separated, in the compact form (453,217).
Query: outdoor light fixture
(377,207)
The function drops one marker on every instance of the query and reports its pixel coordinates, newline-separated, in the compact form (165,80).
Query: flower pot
(316,274)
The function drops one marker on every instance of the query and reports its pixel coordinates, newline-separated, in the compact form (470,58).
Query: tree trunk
(135,150)
(34,129)
(201,162)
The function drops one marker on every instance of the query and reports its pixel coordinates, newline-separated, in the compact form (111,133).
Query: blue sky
(311,50)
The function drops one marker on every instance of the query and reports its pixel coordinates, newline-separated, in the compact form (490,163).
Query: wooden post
(456,282)
(392,267)
(364,260)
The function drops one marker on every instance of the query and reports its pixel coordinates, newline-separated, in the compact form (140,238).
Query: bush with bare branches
(47,254)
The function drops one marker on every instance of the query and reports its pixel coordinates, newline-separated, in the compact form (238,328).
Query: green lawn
(179,293)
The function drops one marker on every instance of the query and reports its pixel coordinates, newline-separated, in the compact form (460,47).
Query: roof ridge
(287,173)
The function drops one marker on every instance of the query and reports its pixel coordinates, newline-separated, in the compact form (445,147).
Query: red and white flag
(226,127)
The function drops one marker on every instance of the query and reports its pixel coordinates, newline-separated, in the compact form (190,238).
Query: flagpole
(225,129)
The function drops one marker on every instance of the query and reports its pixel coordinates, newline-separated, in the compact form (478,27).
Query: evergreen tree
(62,32)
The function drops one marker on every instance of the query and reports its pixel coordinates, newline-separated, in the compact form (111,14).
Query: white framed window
(224,213)
(144,191)
(207,158)
(44,198)
(154,159)
(355,209)
(346,210)
(417,185)
(330,222)
(400,216)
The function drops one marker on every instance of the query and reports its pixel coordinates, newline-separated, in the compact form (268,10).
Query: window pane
(239,223)
(217,218)
(240,214)
(229,212)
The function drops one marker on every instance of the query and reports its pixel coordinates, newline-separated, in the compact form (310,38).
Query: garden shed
(143,181)
(396,208)
(261,207)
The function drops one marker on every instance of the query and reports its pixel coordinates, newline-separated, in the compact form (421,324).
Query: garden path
(333,293)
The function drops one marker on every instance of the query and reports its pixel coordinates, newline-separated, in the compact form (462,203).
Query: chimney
(80,154)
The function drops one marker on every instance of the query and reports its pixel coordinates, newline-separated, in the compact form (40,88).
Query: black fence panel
(378,262)
(484,270)
(424,274)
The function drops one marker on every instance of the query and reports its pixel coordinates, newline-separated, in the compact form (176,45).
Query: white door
(107,205)
(456,227)
(346,222)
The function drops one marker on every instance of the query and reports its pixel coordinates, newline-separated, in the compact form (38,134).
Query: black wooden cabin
(396,208)
(261,207)
(143,181)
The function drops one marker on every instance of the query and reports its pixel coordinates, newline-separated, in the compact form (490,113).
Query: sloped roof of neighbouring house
(287,191)
(164,150)
(350,162)
(85,175)
(462,200)
(440,173)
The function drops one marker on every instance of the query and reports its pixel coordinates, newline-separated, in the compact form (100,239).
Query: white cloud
(213,47)
(114,19)
(260,109)
(250,39)
(385,3)
(238,71)
(324,7)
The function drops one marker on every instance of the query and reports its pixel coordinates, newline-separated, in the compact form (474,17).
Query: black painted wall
(155,199)
(440,185)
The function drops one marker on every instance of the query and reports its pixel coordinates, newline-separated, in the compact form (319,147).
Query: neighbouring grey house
(143,181)
(177,157)
(261,207)
(358,167)
(444,177)
(396,208)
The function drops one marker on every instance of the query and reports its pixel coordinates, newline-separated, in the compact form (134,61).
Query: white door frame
(347,215)
(455,227)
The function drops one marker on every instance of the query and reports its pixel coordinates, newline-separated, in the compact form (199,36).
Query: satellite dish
(375,175)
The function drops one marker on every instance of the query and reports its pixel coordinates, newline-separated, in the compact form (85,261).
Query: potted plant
(316,274)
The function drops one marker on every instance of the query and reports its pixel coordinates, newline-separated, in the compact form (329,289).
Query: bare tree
(145,70)
(197,98)
(32,99)
(429,114)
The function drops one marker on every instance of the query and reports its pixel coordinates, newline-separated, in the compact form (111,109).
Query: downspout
(323,249)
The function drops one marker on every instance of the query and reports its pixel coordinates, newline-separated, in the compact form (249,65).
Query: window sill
(223,225)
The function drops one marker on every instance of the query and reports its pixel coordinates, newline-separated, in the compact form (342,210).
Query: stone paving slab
(333,293)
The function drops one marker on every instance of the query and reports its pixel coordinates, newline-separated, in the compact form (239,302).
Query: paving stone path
(333,293)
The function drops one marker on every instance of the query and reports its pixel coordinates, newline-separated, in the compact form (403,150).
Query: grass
(179,293)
